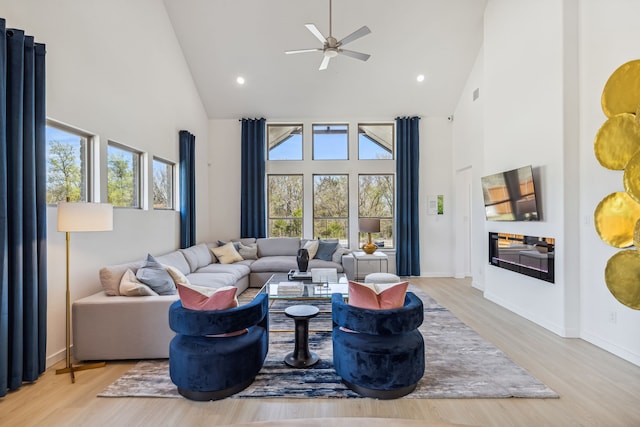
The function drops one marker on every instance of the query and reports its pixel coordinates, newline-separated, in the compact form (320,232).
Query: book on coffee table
(299,275)
(289,288)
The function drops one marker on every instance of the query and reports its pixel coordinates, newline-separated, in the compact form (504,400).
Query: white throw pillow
(130,286)
(312,247)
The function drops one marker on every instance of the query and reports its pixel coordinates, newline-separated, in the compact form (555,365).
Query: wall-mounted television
(510,196)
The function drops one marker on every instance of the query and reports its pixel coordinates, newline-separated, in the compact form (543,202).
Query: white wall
(468,152)
(120,76)
(523,48)
(609,35)
(436,242)
(544,66)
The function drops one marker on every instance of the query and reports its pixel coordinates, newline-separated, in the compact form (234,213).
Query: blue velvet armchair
(205,367)
(381,352)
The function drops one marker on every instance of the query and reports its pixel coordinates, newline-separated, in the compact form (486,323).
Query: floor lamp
(80,217)
(369,225)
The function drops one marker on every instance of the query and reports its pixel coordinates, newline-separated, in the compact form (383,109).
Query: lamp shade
(85,216)
(369,225)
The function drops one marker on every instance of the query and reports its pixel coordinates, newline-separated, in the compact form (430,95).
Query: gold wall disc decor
(631,177)
(636,235)
(621,93)
(617,140)
(615,219)
(622,275)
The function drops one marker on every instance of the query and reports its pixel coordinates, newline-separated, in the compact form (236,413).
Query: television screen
(510,196)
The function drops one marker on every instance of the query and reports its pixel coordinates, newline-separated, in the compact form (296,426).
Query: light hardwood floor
(596,388)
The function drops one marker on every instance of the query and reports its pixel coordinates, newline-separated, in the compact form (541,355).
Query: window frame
(313,210)
(313,140)
(281,125)
(353,167)
(171,202)
(138,176)
(90,142)
(361,239)
(270,217)
(393,139)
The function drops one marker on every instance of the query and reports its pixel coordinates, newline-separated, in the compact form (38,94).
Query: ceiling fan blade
(356,55)
(314,30)
(325,63)
(289,52)
(354,36)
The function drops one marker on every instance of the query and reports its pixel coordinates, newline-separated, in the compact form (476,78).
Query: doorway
(462,221)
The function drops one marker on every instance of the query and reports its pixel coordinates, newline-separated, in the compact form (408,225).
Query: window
(375,142)
(162,184)
(285,194)
(330,142)
(284,142)
(375,200)
(68,166)
(123,176)
(331,207)
(343,172)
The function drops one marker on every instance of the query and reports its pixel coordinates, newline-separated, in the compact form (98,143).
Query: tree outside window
(285,196)
(331,207)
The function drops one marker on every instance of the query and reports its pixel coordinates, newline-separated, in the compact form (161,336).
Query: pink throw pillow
(202,298)
(381,296)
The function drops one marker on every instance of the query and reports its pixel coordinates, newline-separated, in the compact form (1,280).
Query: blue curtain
(23,274)
(187,189)
(407,176)
(252,187)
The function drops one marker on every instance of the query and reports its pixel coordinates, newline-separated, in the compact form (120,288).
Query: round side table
(301,356)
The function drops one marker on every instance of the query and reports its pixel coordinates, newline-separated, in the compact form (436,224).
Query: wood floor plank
(596,388)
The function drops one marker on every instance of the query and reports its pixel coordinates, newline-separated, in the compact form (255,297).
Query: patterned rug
(459,364)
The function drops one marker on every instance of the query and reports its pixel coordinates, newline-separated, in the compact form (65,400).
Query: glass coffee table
(279,287)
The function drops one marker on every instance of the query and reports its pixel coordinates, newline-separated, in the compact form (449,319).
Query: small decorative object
(302,259)
(369,225)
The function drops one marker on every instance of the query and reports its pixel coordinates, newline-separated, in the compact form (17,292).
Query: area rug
(459,364)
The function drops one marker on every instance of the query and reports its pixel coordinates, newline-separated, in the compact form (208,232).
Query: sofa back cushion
(111,275)
(197,256)
(175,259)
(278,246)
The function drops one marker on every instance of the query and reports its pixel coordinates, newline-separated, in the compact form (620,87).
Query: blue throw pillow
(326,250)
(155,275)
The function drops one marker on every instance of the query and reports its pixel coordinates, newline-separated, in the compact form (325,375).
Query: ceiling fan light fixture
(331,52)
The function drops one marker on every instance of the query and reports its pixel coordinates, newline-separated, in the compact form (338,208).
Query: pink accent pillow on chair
(382,296)
(203,298)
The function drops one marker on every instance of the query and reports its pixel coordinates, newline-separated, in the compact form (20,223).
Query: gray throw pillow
(248,251)
(154,275)
(326,250)
(235,244)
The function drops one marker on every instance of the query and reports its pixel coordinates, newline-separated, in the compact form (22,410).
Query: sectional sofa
(110,326)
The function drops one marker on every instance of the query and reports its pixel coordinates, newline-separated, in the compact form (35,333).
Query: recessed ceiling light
(420,78)
(240,80)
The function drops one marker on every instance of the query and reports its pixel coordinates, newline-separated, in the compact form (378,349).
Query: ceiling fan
(332,47)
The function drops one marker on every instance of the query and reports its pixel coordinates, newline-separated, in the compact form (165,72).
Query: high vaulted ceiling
(224,39)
